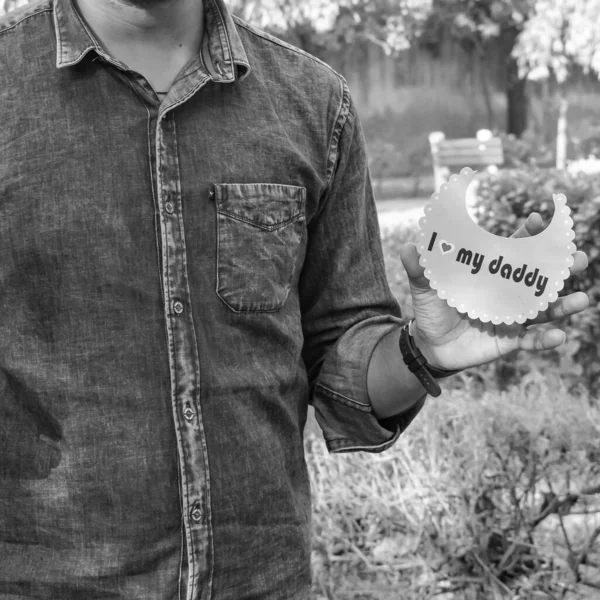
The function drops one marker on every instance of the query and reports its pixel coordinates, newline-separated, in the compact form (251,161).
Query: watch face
(489,277)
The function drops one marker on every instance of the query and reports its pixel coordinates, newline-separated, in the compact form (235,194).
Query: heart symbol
(446,247)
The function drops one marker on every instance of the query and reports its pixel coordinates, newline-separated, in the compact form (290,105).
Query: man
(190,255)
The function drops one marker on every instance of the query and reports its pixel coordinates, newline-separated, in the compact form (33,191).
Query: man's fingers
(416,273)
(532,226)
(580,263)
(537,339)
(563,307)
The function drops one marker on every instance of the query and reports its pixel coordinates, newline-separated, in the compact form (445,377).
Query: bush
(527,151)
(505,201)
(478,499)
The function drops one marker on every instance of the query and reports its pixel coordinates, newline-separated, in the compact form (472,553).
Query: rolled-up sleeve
(347,304)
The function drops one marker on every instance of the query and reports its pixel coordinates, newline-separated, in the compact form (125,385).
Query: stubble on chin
(146,4)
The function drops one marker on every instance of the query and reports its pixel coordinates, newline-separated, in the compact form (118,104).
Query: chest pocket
(260,227)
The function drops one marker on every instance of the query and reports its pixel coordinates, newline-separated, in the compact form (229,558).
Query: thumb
(416,273)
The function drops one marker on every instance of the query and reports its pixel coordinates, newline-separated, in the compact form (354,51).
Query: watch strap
(416,363)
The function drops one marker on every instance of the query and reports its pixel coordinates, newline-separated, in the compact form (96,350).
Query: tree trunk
(487,95)
(517,101)
(561,133)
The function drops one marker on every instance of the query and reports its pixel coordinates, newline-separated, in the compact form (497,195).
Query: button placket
(183,360)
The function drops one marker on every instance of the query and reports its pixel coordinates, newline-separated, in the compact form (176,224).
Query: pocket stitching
(297,217)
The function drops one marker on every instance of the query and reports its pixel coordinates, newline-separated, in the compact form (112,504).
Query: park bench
(450,156)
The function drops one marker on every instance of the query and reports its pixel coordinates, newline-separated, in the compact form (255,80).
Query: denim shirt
(179,280)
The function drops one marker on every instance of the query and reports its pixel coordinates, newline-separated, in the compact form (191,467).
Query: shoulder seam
(34,14)
(339,125)
(274,40)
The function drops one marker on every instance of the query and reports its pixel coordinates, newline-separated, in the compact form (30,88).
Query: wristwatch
(418,364)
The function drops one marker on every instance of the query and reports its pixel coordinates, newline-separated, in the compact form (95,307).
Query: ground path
(400,212)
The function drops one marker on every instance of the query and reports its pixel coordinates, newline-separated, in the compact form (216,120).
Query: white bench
(450,156)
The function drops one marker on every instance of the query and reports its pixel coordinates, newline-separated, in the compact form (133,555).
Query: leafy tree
(474,23)
(392,24)
(303,24)
(396,24)
(323,25)
(561,36)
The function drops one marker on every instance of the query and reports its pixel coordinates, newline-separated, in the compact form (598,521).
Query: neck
(163,24)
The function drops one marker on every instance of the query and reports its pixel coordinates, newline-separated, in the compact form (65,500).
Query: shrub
(505,200)
(527,151)
(478,499)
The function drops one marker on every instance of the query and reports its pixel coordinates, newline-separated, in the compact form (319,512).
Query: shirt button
(169,207)
(178,307)
(196,513)
(188,413)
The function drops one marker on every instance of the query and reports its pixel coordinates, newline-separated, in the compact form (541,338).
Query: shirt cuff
(340,396)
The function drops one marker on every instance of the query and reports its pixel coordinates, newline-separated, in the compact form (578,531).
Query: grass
(449,509)
(488,494)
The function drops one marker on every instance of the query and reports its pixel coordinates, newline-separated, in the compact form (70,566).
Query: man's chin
(147,4)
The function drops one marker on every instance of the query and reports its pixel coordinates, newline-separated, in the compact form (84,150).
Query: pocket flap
(264,204)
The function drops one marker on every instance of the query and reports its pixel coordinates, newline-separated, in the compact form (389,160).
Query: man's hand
(451,340)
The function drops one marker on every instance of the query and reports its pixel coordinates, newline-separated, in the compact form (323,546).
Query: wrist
(433,364)
(422,345)
(391,390)
(416,362)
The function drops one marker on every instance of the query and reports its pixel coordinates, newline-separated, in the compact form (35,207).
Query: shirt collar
(221,40)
